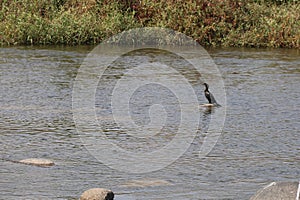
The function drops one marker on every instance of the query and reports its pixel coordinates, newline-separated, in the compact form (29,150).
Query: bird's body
(209,96)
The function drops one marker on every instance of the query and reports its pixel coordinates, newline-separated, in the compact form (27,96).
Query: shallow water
(259,143)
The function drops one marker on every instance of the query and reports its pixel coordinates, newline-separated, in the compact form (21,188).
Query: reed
(252,23)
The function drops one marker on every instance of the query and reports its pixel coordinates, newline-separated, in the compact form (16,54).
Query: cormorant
(209,96)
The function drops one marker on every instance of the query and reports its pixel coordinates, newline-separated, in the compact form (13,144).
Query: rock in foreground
(37,162)
(146,183)
(97,194)
(277,191)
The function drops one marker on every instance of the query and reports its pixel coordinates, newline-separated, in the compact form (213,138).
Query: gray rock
(37,162)
(97,194)
(146,183)
(208,105)
(278,191)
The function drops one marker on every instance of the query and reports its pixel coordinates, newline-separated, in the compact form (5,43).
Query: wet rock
(146,183)
(37,162)
(277,191)
(208,105)
(97,194)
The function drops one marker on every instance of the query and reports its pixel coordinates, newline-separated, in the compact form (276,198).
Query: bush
(260,23)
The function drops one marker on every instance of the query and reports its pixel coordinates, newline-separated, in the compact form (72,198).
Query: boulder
(97,194)
(278,191)
(37,162)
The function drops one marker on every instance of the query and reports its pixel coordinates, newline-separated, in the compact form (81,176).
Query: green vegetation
(254,23)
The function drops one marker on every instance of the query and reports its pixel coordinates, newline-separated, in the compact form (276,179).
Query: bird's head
(206,85)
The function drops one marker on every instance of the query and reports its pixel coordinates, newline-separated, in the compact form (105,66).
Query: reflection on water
(259,144)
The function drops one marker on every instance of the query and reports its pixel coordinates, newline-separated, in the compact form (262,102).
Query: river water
(259,143)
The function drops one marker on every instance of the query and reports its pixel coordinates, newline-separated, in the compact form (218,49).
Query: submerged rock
(37,162)
(97,194)
(278,191)
(146,183)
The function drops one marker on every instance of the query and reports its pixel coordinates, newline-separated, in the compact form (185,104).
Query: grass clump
(255,23)
(69,22)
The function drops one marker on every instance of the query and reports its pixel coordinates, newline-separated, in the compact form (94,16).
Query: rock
(278,191)
(207,105)
(37,162)
(97,194)
(146,183)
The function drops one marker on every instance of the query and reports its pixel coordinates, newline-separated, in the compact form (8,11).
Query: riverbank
(212,23)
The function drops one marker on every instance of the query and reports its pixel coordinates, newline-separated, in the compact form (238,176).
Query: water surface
(259,143)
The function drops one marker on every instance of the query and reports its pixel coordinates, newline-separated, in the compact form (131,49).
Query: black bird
(209,96)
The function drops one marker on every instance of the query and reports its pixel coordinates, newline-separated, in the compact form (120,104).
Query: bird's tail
(213,101)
